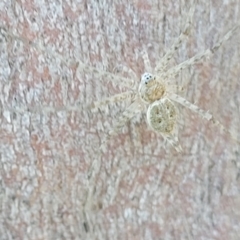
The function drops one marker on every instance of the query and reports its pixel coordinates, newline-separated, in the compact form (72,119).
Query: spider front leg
(81,67)
(124,69)
(163,63)
(199,57)
(104,75)
(202,113)
(116,98)
(146,61)
(130,73)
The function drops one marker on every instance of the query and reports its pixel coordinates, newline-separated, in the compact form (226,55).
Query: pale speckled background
(145,189)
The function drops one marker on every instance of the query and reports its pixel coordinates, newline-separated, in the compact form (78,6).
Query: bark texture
(49,138)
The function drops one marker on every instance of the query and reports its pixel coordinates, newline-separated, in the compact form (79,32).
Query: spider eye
(146,77)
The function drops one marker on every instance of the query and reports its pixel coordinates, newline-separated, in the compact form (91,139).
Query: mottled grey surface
(49,137)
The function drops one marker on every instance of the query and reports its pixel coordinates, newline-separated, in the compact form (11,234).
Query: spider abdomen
(162,116)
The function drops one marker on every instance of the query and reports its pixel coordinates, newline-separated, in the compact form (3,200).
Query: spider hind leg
(203,114)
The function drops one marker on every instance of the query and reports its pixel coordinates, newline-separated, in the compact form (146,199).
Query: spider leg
(133,76)
(146,61)
(127,70)
(135,108)
(81,67)
(190,105)
(174,88)
(130,112)
(104,75)
(163,63)
(199,57)
(174,141)
(202,113)
(116,98)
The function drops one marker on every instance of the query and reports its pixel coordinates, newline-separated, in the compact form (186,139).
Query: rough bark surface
(49,138)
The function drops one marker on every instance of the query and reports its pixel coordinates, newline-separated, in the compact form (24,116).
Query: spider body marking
(162,116)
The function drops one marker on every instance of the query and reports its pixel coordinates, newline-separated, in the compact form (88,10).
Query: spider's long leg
(43,109)
(127,70)
(163,63)
(202,113)
(129,113)
(71,108)
(174,141)
(146,61)
(190,105)
(130,73)
(81,67)
(174,88)
(116,98)
(105,76)
(199,57)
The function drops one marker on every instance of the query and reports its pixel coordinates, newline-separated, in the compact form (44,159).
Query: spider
(156,96)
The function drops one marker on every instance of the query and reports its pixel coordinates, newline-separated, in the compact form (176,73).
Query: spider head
(147,78)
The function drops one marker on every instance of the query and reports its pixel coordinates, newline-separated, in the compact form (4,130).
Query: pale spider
(157,96)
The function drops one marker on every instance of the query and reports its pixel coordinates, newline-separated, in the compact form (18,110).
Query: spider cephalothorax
(151,89)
